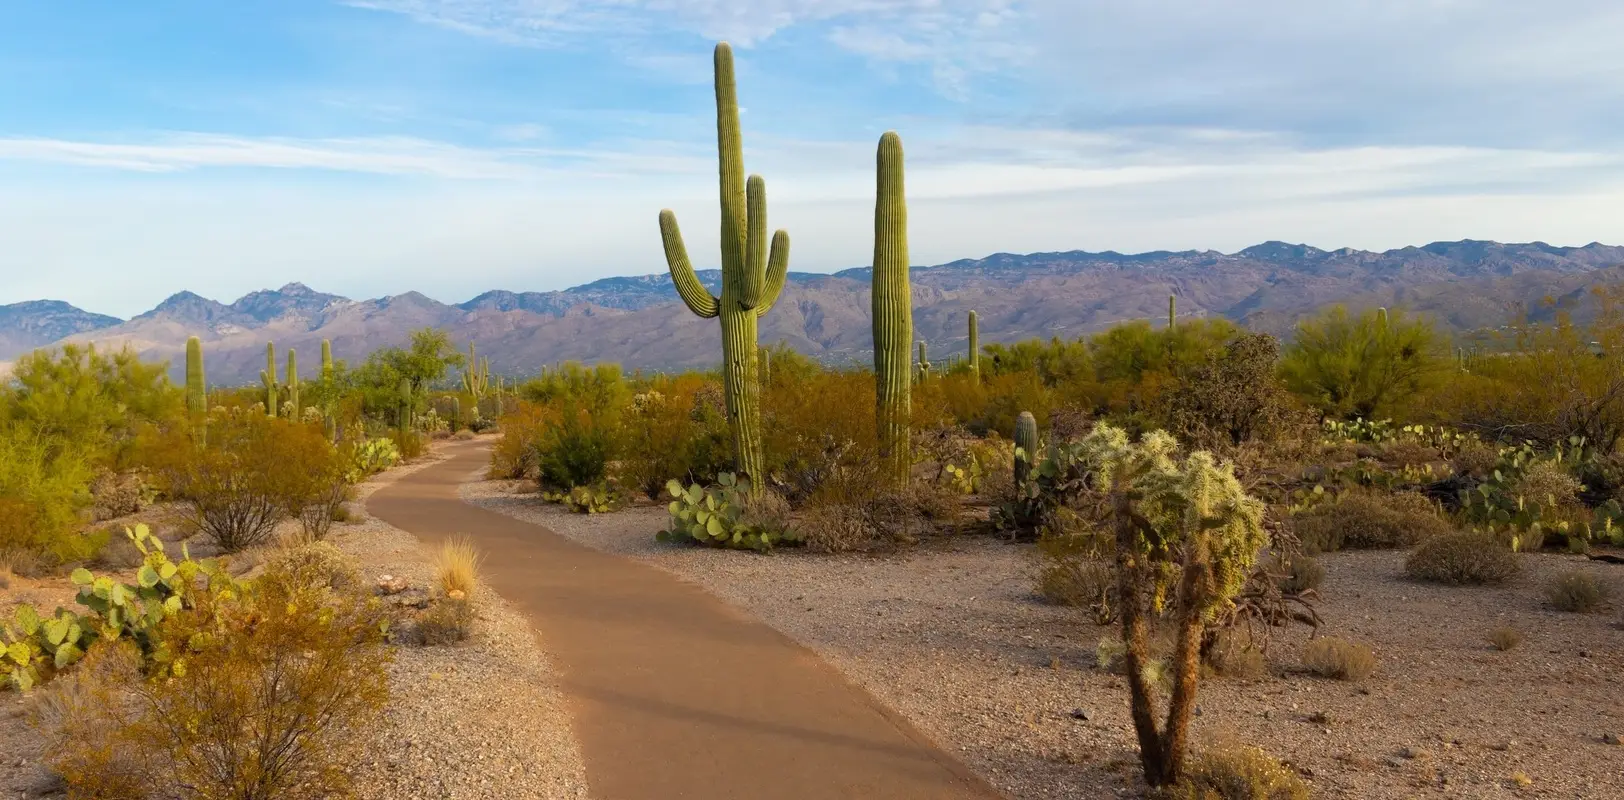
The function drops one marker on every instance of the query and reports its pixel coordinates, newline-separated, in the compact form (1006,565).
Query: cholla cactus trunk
(268,377)
(293,386)
(975,347)
(1026,444)
(893,310)
(753,273)
(197,401)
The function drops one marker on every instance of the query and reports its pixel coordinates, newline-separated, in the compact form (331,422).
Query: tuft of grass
(1302,573)
(1339,659)
(448,620)
(457,566)
(1505,637)
(1462,558)
(1366,519)
(1234,772)
(1578,591)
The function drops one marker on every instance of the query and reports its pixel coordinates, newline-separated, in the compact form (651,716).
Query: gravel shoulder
(950,635)
(481,720)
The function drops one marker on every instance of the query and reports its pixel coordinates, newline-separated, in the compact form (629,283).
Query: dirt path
(674,693)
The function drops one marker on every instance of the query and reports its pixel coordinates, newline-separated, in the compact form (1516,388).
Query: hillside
(639,322)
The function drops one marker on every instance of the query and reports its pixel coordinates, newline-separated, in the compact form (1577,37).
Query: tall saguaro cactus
(197,403)
(893,309)
(329,419)
(975,347)
(268,378)
(752,273)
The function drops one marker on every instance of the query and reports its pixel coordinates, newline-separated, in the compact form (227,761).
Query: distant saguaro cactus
(293,386)
(893,309)
(975,347)
(197,401)
(1172,312)
(273,390)
(753,274)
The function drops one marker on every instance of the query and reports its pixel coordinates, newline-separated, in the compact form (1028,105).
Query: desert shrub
(1075,570)
(820,437)
(253,472)
(317,565)
(1339,659)
(514,455)
(118,494)
(1551,485)
(447,620)
(464,435)
(1232,398)
(1358,367)
(1505,638)
(1578,591)
(836,528)
(1238,773)
(1234,655)
(600,498)
(1475,457)
(103,401)
(267,694)
(671,431)
(575,451)
(1462,558)
(1369,520)
(1299,573)
(324,485)
(409,444)
(43,482)
(456,566)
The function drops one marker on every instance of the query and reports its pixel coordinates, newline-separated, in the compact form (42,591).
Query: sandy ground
(482,719)
(951,635)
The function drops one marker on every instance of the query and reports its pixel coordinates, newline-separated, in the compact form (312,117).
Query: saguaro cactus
(1026,446)
(268,378)
(893,309)
(404,416)
(329,419)
(197,403)
(975,347)
(293,386)
(1172,312)
(752,275)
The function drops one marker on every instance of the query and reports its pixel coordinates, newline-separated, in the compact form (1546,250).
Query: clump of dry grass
(1233,772)
(1462,558)
(1235,655)
(448,620)
(1339,659)
(1505,637)
(1578,591)
(456,567)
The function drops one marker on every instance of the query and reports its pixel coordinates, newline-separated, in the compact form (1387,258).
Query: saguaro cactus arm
(698,299)
(777,272)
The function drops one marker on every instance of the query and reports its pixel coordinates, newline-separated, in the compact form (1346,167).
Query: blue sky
(373,147)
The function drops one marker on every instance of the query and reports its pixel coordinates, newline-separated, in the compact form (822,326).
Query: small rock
(1414,752)
(1612,739)
(1078,713)
(1502,746)
(391,584)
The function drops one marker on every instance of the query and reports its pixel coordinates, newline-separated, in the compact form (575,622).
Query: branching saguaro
(753,274)
(1187,537)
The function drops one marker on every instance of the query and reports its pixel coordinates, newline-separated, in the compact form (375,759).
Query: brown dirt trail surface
(674,693)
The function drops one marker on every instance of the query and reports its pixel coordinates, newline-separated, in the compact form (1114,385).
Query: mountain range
(639,321)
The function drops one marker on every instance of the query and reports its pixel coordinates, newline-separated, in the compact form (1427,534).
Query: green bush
(575,451)
(1462,558)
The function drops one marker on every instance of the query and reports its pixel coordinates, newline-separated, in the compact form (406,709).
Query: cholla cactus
(1187,534)
(753,273)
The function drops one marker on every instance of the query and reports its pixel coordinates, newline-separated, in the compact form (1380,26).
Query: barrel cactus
(752,273)
(893,309)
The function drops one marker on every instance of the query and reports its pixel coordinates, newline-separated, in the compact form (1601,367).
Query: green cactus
(1172,312)
(197,401)
(456,413)
(1026,446)
(752,275)
(293,386)
(329,419)
(975,347)
(893,309)
(404,415)
(273,390)
(1381,317)
(766,367)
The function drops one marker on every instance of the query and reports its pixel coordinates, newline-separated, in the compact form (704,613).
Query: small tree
(1187,536)
(1358,367)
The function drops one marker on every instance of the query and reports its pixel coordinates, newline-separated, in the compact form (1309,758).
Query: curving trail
(674,693)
